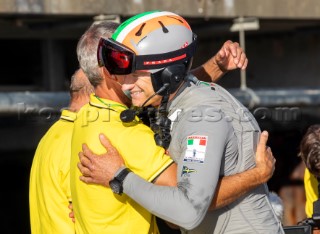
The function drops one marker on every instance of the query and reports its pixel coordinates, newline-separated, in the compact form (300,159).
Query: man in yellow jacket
(49,190)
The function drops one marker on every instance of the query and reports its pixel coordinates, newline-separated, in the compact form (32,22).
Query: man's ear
(106,73)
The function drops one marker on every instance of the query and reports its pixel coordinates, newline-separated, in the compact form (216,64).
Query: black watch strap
(116,184)
(122,174)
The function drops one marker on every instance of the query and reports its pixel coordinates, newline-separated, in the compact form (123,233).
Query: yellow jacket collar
(68,115)
(105,103)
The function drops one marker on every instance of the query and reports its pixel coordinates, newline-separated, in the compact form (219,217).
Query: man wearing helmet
(212,134)
(107,102)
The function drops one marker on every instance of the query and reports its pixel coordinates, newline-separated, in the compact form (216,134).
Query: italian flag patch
(196,149)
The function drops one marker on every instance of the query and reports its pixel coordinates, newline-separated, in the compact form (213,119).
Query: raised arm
(229,57)
(233,187)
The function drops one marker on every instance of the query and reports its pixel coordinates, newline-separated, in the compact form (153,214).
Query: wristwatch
(117,182)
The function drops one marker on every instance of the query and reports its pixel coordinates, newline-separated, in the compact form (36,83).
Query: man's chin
(139,103)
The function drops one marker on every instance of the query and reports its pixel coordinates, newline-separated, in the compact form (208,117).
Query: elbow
(193,223)
(195,215)
(185,218)
(191,219)
(192,214)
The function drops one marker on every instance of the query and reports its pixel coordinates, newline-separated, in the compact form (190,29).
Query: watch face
(115,186)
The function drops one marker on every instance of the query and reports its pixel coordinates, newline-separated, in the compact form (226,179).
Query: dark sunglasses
(121,60)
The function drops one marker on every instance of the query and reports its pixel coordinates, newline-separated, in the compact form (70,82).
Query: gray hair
(80,85)
(87,49)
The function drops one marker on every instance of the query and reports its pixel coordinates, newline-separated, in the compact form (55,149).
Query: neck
(74,108)
(77,102)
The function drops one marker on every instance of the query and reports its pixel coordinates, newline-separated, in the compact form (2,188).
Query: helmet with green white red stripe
(159,33)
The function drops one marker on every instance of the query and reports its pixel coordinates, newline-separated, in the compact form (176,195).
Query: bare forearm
(230,188)
(209,71)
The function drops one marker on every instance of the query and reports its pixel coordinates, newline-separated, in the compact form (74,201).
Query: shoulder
(204,120)
(203,114)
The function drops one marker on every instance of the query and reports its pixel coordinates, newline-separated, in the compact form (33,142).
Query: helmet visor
(117,58)
(121,60)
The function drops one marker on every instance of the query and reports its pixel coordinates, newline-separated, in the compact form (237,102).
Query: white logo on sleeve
(174,117)
(196,149)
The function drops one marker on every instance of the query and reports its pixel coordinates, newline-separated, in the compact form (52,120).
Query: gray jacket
(213,135)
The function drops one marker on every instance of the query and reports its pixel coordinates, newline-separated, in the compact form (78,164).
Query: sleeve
(140,152)
(197,175)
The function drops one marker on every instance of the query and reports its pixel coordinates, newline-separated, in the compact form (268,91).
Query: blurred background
(281,85)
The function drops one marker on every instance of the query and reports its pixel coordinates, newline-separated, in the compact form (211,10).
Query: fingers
(87,180)
(71,214)
(239,57)
(105,142)
(265,162)
(220,55)
(269,151)
(107,145)
(230,47)
(263,140)
(86,152)
(84,170)
(243,61)
(234,49)
(85,161)
(263,145)
(272,159)
(245,64)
